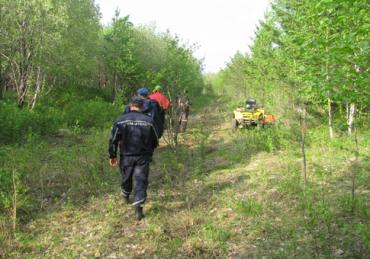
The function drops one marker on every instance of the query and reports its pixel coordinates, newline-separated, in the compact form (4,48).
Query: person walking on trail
(183,103)
(137,137)
(150,108)
(162,100)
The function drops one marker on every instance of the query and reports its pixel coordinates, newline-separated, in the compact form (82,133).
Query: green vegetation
(228,195)
(306,53)
(219,192)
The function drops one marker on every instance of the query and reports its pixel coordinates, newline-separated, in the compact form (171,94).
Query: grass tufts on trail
(223,193)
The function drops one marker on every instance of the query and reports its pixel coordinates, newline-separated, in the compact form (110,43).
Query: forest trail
(300,189)
(177,208)
(216,197)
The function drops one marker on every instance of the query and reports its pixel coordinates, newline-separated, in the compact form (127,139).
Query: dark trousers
(135,172)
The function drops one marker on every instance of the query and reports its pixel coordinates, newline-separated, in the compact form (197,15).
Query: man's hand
(113,162)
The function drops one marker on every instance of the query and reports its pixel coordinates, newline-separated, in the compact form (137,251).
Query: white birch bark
(330,115)
(351,117)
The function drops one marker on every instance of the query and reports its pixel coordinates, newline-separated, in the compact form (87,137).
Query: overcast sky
(219,27)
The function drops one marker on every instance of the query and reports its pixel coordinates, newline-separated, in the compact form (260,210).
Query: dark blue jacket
(152,109)
(136,135)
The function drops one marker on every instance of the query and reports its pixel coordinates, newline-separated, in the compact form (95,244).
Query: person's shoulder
(123,117)
(134,116)
(144,117)
(120,117)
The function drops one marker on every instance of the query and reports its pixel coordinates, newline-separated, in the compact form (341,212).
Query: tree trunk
(174,129)
(2,87)
(172,126)
(22,91)
(14,216)
(114,89)
(263,91)
(354,172)
(23,67)
(303,124)
(39,82)
(351,117)
(330,114)
(330,111)
(2,81)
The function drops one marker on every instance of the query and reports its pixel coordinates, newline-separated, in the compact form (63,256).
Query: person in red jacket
(162,100)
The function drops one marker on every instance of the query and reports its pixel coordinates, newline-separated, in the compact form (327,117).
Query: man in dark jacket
(137,138)
(150,108)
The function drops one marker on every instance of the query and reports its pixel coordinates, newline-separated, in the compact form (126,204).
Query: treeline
(48,44)
(64,78)
(313,53)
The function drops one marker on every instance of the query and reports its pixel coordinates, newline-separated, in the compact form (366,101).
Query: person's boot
(126,198)
(139,213)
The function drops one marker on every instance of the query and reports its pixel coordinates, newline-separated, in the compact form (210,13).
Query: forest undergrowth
(221,193)
(299,189)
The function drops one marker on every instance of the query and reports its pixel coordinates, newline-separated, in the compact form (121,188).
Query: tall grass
(58,151)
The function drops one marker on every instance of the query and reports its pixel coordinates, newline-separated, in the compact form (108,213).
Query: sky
(219,27)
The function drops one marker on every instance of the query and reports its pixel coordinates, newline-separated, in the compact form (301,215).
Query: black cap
(138,101)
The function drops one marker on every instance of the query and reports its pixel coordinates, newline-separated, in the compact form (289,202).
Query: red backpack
(161,99)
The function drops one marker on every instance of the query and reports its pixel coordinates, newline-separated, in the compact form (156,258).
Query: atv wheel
(234,124)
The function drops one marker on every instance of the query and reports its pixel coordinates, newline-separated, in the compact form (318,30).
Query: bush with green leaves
(17,123)
(89,113)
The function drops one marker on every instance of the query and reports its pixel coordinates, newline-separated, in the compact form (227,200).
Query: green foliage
(66,109)
(251,141)
(6,190)
(43,147)
(249,207)
(304,51)
(88,114)
(214,233)
(118,52)
(17,123)
(76,58)
(55,152)
(218,192)
(69,170)
(48,43)
(363,230)
(10,182)
(140,56)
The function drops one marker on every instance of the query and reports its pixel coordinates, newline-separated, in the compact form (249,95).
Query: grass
(249,207)
(222,194)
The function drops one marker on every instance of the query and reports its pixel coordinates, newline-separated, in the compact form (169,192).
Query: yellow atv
(252,115)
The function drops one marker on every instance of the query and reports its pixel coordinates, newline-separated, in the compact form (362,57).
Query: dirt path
(223,193)
(105,226)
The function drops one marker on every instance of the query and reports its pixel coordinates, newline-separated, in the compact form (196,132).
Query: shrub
(72,108)
(17,123)
(90,113)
